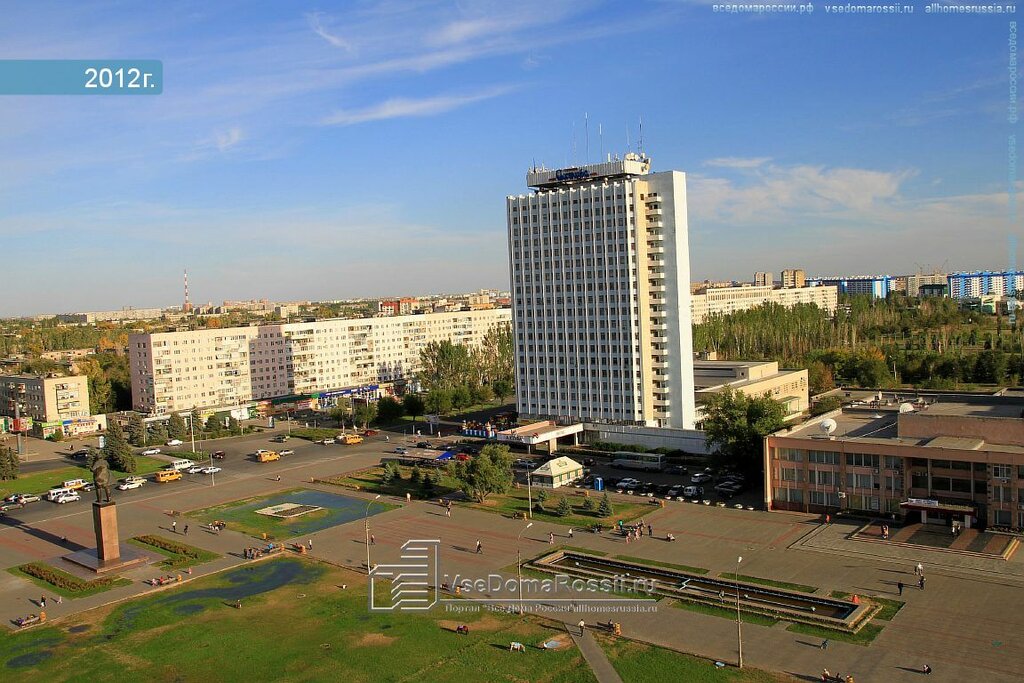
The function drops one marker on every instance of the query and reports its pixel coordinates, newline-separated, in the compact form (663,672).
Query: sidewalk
(595,656)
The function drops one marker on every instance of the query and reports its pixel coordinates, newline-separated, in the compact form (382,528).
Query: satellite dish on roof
(906,408)
(828,426)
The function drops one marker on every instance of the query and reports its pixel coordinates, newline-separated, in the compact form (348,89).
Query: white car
(211,470)
(700,478)
(287,451)
(401,450)
(26,498)
(175,442)
(195,469)
(129,484)
(67,498)
(151,451)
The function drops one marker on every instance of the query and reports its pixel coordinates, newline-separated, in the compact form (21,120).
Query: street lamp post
(519,566)
(739,620)
(529,494)
(366,528)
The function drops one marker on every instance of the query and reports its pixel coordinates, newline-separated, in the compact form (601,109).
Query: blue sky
(330,150)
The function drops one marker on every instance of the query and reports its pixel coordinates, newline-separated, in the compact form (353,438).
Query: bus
(626,460)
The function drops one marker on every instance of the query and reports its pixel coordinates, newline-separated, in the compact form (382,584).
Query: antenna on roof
(600,137)
(627,136)
(640,142)
(574,143)
(586,128)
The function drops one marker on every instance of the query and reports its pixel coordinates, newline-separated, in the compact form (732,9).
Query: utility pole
(739,620)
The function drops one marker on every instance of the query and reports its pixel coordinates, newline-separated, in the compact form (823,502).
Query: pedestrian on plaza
(186,529)
(926,669)
(373,540)
(570,532)
(828,519)
(551,538)
(920,582)
(447,512)
(826,675)
(238,604)
(174,526)
(650,530)
(279,477)
(582,625)
(628,536)
(387,438)
(919,569)
(899,587)
(42,602)
(59,600)
(309,543)
(408,497)
(824,644)
(479,547)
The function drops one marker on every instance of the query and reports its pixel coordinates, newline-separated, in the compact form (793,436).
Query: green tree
(735,426)
(990,367)
(819,377)
(605,508)
(365,413)
(176,427)
(195,419)
(214,424)
(564,508)
(443,365)
(482,394)
(489,472)
(542,497)
(339,414)
(827,404)
(116,449)
(413,405)
(233,426)
(588,504)
(389,410)
(416,476)
(136,430)
(461,397)
(158,433)
(57,435)
(388,476)
(438,402)
(8,463)
(427,486)
(501,389)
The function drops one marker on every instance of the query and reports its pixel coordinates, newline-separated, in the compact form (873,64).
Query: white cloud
(402,107)
(738,162)
(315,23)
(226,139)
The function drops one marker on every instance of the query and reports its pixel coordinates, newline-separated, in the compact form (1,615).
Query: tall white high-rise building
(600,269)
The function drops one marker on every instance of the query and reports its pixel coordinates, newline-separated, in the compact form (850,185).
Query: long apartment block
(602,329)
(175,371)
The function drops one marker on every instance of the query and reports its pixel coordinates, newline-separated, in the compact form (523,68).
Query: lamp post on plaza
(366,528)
(519,566)
(739,620)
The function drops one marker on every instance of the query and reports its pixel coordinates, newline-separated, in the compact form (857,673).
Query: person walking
(551,538)
(309,544)
(174,526)
(824,644)
(387,438)
(899,587)
(920,582)
(926,669)
(479,547)
(447,512)
(373,540)
(582,625)
(42,602)
(59,600)
(826,675)
(919,569)
(570,532)
(650,530)
(186,529)
(828,519)
(408,497)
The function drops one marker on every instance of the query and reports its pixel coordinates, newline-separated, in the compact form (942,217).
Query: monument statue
(101,477)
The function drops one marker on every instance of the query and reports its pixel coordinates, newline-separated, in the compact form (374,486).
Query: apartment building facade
(794,278)
(600,270)
(725,300)
(49,401)
(174,371)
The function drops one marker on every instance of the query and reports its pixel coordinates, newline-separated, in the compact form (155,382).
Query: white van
(53,494)
(181,464)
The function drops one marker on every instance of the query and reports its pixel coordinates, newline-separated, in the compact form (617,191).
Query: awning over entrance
(927,505)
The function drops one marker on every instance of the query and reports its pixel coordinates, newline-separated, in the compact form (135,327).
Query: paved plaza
(966,624)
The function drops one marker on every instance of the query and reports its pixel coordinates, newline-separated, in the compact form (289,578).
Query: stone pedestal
(104,520)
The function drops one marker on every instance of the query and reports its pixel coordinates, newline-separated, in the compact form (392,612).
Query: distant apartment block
(732,299)
(980,283)
(752,378)
(404,306)
(916,282)
(111,316)
(599,259)
(174,371)
(875,286)
(50,402)
(762,279)
(794,278)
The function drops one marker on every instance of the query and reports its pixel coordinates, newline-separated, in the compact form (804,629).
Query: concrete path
(595,656)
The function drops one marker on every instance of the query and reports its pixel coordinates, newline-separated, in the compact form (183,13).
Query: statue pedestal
(108,554)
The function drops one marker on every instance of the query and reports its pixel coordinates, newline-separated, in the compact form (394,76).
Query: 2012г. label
(106,78)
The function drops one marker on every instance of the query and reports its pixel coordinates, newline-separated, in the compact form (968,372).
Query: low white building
(557,472)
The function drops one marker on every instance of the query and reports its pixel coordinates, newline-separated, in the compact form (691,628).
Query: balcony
(659,327)
(653,211)
(657,289)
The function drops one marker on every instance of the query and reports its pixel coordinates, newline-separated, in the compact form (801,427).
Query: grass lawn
(241,515)
(863,637)
(666,565)
(889,607)
(784,585)
(41,482)
(515,503)
(179,555)
(725,612)
(641,663)
(81,588)
(296,623)
(370,480)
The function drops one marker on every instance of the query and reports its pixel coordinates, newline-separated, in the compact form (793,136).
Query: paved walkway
(595,656)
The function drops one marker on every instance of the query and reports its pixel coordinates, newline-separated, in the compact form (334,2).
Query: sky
(333,150)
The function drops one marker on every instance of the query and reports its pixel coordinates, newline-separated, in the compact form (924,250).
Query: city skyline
(303,152)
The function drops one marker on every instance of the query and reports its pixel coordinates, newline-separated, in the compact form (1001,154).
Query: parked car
(13,498)
(700,478)
(129,484)
(326,442)
(218,455)
(470,448)
(7,507)
(281,438)
(676,469)
(693,491)
(401,450)
(424,444)
(674,493)
(24,498)
(80,454)
(370,432)
(175,442)
(196,469)
(151,451)
(287,451)
(211,470)
(522,464)
(68,497)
